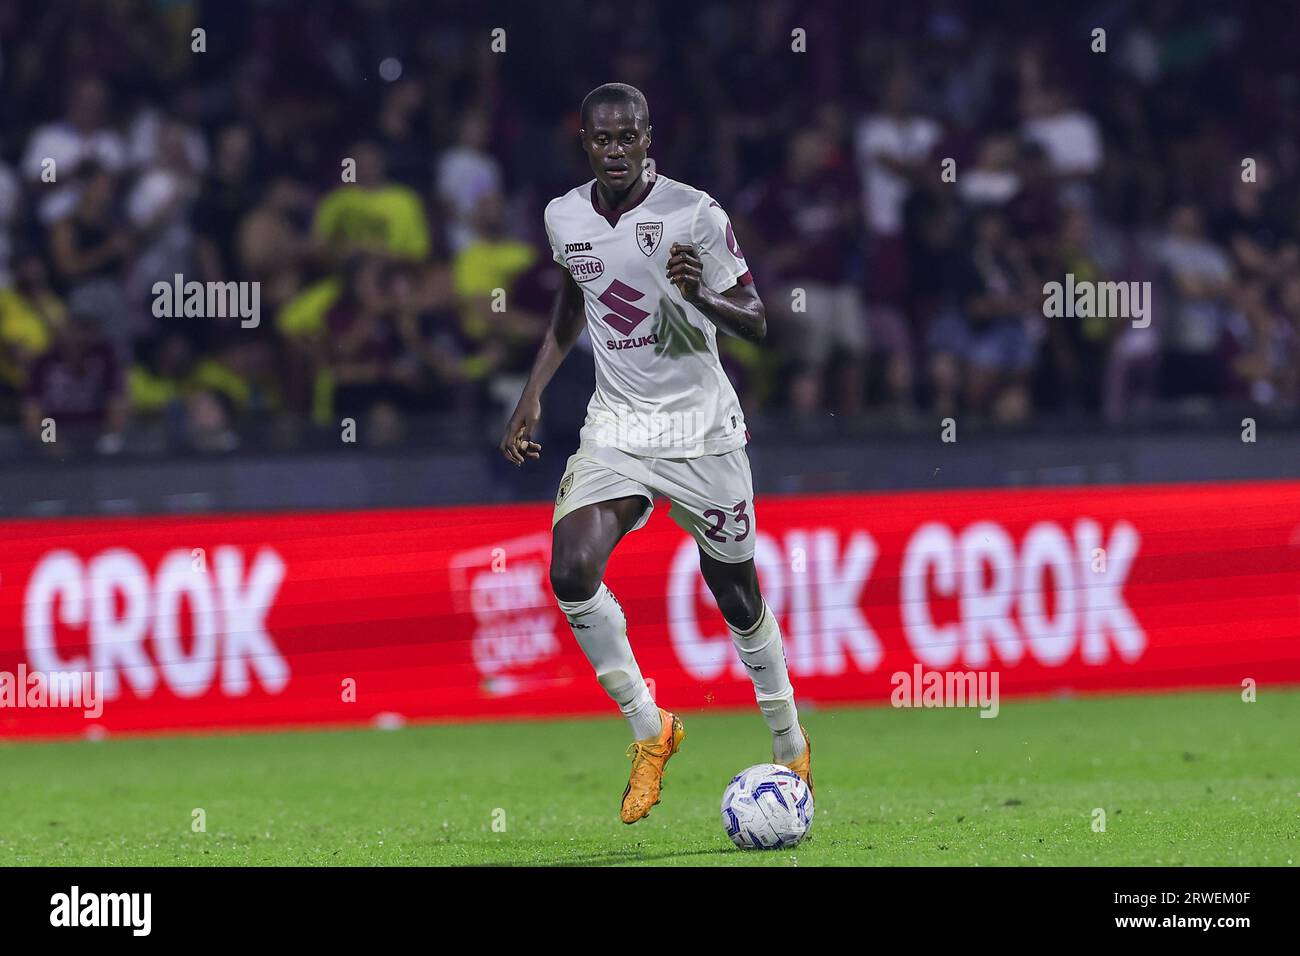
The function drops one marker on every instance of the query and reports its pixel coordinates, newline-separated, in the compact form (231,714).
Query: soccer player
(654,270)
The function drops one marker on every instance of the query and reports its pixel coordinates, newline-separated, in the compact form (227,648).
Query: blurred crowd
(903,187)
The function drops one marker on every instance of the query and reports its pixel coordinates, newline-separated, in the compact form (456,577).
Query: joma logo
(577,247)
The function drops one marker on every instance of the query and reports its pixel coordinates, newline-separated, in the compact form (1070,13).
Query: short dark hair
(615,93)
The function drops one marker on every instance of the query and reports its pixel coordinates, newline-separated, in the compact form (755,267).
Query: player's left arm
(710,272)
(738,310)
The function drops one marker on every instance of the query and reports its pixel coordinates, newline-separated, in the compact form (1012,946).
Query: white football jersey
(661,391)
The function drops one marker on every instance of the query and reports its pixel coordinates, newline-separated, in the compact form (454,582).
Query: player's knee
(574,576)
(740,603)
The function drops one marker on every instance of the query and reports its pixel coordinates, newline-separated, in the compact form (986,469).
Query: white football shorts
(712,496)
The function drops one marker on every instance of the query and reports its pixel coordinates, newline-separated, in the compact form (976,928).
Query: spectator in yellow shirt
(483,272)
(372,214)
(31,314)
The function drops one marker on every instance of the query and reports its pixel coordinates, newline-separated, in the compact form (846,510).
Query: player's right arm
(567,318)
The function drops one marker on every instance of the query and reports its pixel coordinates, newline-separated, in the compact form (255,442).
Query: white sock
(601,629)
(763,654)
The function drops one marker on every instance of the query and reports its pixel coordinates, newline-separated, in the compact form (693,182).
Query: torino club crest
(648,235)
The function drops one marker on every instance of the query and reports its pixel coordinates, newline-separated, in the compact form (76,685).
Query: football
(767,807)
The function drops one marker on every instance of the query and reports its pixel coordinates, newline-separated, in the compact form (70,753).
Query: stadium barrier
(257,620)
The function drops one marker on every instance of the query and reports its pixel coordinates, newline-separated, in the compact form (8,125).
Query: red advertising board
(322,618)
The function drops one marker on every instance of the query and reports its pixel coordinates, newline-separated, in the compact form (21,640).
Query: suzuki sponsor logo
(966,596)
(134,621)
(623,316)
(617,345)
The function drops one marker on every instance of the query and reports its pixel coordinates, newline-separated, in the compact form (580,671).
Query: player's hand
(517,443)
(685,270)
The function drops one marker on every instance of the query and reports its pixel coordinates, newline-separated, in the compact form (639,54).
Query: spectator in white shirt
(83,135)
(466,173)
(1200,271)
(1069,136)
(890,146)
(893,148)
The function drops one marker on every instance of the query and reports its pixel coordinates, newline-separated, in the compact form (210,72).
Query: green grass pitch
(1187,778)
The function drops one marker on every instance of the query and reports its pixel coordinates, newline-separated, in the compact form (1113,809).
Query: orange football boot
(649,757)
(802,764)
